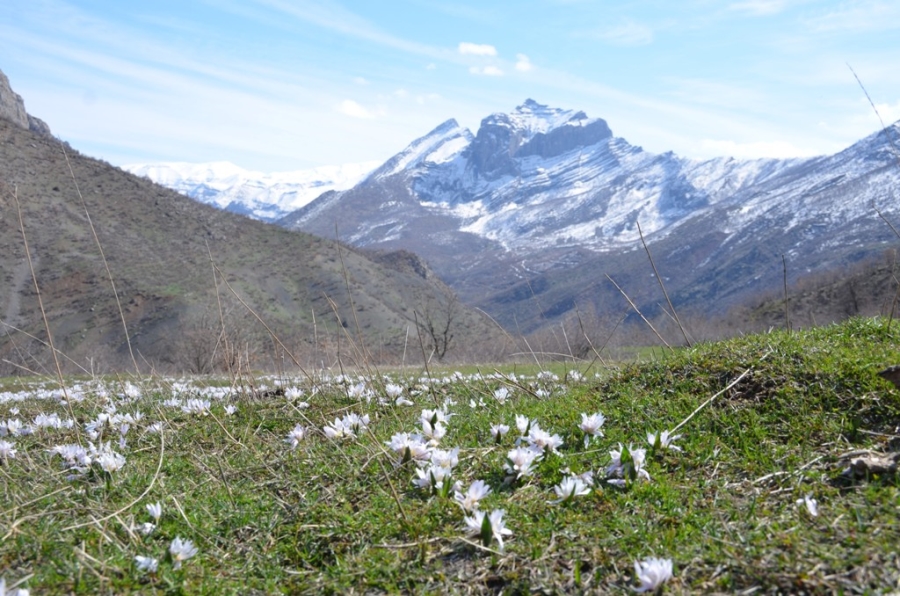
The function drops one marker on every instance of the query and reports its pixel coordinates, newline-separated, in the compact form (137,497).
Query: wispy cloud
(474,49)
(626,33)
(489,71)
(348,107)
(859,16)
(523,63)
(758,7)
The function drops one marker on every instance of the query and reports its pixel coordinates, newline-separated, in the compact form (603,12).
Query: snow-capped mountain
(262,196)
(541,202)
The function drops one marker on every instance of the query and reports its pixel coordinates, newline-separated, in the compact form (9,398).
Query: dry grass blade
(638,311)
(662,286)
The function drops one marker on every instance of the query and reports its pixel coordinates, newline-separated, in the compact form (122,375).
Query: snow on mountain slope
(541,191)
(264,196)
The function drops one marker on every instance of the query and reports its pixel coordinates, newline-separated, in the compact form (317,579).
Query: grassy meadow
(306,485)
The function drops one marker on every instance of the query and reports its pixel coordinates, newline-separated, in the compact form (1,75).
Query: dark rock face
(566,138)
(491,152)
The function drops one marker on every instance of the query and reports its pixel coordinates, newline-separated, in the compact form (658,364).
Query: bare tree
(439,317)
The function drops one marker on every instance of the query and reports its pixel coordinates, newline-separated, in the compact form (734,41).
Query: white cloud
(628,33)
(348,107)
(488,71)
(755,149)
(759,7)
(475,49)
(858,17)
(523,63)
(889,113)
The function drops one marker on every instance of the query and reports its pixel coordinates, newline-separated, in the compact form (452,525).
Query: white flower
(629,470)
(812,506)
(542,440)
(402,401)
(520,460)
(523,423)
(435,417)
(148,564)
(108,460)
(336,430)
(146,528)
(663,441)
(354,423)
(196,406)
(487,526)
(652,573)
(155,510)
(181,550)
(445,459)
(434,432)
(295,436)
(7,451)
(393,391)
(591,426)
(477,491)
(498,431)
(569,488)
(501,394)
(156,427)
(230,409)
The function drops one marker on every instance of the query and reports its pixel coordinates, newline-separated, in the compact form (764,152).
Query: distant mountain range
(526,217)
(266,197)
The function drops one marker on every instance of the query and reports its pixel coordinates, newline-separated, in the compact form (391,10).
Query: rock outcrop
(12,107)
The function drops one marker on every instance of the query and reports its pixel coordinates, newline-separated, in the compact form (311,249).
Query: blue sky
(281,85)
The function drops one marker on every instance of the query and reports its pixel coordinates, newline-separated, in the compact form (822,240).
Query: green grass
(337,517)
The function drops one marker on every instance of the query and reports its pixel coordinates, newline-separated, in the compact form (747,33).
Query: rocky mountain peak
(12,107)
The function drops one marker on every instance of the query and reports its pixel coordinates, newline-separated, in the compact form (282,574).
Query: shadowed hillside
(158,245)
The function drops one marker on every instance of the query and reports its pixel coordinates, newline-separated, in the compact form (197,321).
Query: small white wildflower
(469,501)
(523,423)
(663,441)
(444,458)
(7,451)
(146,528)
(652,573)
(569,488)
(148,564)
(393,391)
(520,460)
(487,526)
(181,550)
(591,426)
(498,431)
(230,409)
(501,394)
(543,440)
(295,436)
(812,506)
(155,510)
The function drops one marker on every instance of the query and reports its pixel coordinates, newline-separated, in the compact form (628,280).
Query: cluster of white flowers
(77,459)
(348,427)
(196,406)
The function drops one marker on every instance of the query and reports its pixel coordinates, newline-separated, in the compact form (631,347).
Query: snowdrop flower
(295,436)
(230,409)
(469,501)
(520,460)
(148,564)
(498,431)
(812,506)
(663,441)
(108,460)
(542,440)
(155,510)
(393,391)
(181,550)
(487,526)
(7,451)
(591,427)
(569,488)
(652,573)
